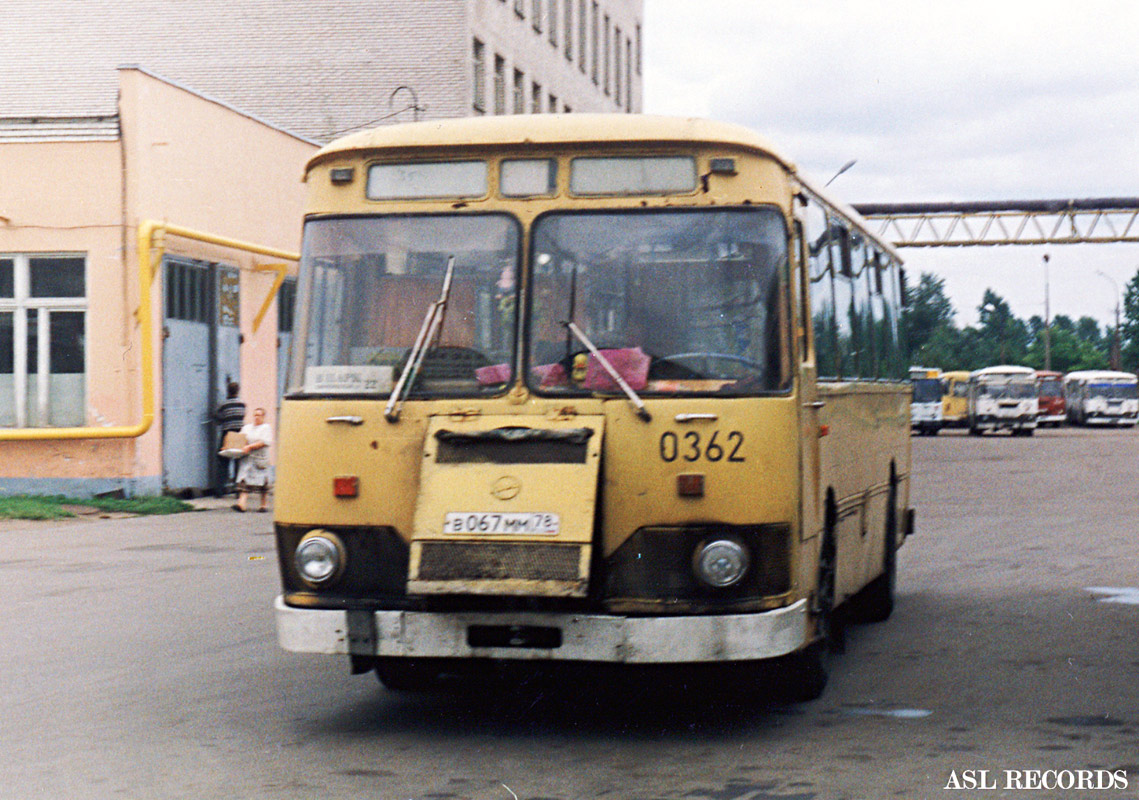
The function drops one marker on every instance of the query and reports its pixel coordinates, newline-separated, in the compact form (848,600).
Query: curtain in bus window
(690,300)
(367,284)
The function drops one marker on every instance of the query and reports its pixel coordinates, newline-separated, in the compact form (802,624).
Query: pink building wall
(182,159)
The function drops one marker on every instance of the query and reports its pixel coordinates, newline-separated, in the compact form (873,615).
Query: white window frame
(18,305)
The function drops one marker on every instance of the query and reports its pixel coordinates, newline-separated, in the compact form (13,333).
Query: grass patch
(27,506)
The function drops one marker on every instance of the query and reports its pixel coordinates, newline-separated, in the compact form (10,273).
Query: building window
(581,34)
(638,49)
(499,84)
(479,67)
(519,92)
(43,354)
(536,99)
(618,87)
(536,14)
(567,21)
(286,299)
(629,102)
(605,53)
(553,106)
(520,8)
(594,42)
(553,22)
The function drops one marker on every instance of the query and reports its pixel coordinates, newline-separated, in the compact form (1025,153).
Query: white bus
(925,407)
(1101,397)
(1003,397)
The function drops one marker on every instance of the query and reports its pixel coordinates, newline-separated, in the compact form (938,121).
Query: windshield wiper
(432,324)
(638,404)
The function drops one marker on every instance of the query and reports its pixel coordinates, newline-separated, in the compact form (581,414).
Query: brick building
(319,68)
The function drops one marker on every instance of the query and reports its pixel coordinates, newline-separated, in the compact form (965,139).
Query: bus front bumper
(544,636)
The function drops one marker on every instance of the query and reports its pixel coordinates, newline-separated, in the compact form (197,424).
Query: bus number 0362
(691,446)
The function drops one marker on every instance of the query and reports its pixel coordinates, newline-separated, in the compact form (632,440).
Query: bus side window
(843,298)
(862,319)
(879,335)
(821,292)
(802,288)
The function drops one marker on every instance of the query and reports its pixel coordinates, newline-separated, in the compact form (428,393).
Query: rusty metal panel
(506,506)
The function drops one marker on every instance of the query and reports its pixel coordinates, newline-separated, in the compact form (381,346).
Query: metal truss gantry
(1095,220)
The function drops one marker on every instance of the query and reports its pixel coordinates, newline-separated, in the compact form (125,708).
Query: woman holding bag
(253,468)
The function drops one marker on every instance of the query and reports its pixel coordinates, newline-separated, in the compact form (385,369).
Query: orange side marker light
(690,484)
(346,486)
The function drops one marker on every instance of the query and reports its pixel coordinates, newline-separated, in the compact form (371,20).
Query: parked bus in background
(955,399)
(1052,409)
(1003,397)
(925,407)
(583,388)
(1101,397)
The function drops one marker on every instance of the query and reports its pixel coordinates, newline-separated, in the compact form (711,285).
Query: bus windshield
(1010,390)
(677,301)
(1051,387)
(367,283)
(1114,391)
(927,390)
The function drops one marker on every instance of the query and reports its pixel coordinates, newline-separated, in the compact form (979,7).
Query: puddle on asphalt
(895,713)
(1127,595)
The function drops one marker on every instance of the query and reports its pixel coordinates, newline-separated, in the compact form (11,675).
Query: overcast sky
(961,100)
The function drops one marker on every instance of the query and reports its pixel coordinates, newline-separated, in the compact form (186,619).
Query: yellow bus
(955,400)
(554,397)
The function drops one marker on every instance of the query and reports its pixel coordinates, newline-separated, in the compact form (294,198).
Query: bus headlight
(319,557)
(720,562)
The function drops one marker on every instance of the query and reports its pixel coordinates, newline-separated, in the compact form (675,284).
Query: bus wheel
(408,674)
(805,672)
(877,600)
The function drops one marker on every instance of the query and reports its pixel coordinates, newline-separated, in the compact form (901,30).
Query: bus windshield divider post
(638,404)
(428,331)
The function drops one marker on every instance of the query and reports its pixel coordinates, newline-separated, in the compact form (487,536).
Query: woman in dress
(253,469)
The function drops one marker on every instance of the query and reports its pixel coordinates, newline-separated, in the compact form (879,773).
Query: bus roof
(1047,373)
(1099,375)
(1007,370)
(576,130)
(548,129)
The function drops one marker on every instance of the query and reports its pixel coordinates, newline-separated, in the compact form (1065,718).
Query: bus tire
(877,601)
(805,672)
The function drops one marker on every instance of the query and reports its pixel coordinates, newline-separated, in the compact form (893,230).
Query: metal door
(201,353)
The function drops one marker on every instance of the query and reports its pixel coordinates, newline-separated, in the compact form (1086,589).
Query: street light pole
(1047,321)
(1115,348)
(841,170)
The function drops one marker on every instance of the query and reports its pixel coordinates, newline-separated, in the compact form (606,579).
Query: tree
(1129,325)
(1003,336)
(1087,329)
(928,311)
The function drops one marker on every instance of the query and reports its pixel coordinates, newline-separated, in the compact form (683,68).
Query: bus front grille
(500,568)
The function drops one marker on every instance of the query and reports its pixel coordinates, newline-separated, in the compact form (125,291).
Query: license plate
(492,522)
